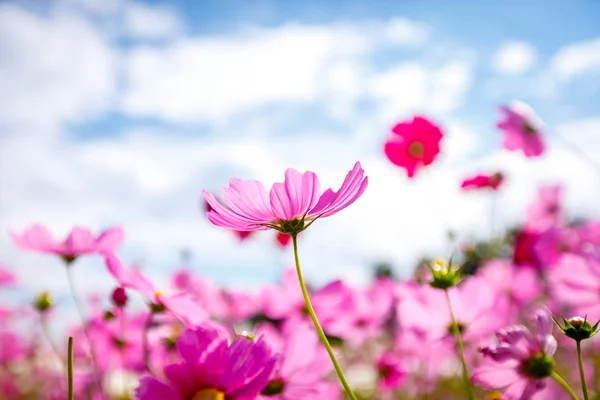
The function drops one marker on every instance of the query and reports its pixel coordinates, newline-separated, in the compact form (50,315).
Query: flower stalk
(564,384)
(313,316)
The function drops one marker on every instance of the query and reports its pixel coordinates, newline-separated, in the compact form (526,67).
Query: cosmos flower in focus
(477,182)
(522,129)
(413,144)
(289,207)
(211,369)
(79,241)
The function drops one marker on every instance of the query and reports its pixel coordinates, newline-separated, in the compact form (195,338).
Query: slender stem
(564,384)
(581,374)
(145,345)
(85,330)
(315,321)
(46,331)
(70,369)
(461,350)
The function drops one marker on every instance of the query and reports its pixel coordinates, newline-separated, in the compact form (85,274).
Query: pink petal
(109,240)
(132,279)
(36,237)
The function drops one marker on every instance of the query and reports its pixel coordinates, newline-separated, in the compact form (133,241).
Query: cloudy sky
(119,112)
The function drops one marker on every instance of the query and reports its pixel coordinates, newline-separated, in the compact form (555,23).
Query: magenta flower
(79,241)
(181,305)
(391,371)
(413,144)
(522,360)
(283,239)
(492,181)
(289,207)
(522,129)
(210,368)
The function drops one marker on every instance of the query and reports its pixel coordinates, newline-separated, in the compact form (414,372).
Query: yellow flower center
(416,149)
(494,396)
(209,394)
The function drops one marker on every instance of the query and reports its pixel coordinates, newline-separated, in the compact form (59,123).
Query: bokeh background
(119,112)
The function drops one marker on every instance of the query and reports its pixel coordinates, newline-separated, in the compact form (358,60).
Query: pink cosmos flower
(522,360)
(391,372)
(79,241)
(521,286)
(547,210)
(304,365)
(413,144)
(492,181)
(289,207)
(210,296)
(6,276)
(524,252)
(210,368)
(181,305)
(522,129)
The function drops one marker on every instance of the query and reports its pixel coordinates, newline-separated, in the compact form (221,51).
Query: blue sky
(122,111)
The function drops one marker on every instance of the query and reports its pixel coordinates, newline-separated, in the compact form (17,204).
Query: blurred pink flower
(521,286)
(289,207)
(391,372)
(575,286)
(79,241)
(304,365)
(522,359)
(547,210)
(284,300)
(210,296)
(483,182)
(477,308)
(6,276)
(522,129)
(210,368)
(181,305)
(413,144)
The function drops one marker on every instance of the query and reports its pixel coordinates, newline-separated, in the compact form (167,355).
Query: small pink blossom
(391,372)
(521,361)
(477,182)
(7,278)
(210,368)
(283,239)
(522,129)
(79,241)
(547,210)
(413,144)
(289,206)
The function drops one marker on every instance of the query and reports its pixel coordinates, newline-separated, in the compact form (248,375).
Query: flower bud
(119,297)
(444,275)
(43,302)
(577,328)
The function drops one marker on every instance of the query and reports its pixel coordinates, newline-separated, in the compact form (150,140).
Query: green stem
(581,374)
(315,321)
(70,369)
(564,384)
(461,351)
(85,330)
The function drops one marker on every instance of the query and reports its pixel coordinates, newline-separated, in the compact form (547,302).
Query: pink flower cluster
(490,329)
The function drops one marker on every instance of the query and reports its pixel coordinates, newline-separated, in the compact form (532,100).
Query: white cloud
(411,87)
(55,69)
(514,58)
(576,59)
(145,21)
(212,78)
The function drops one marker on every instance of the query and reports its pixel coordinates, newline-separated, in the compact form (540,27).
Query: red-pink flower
(492,181)
(79,241)
(391,371)
(283,239)
(413,144)
(522,129)
(522,359)
(210,368)
(289,207)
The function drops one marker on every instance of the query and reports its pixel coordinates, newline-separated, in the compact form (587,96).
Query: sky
(119,112)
